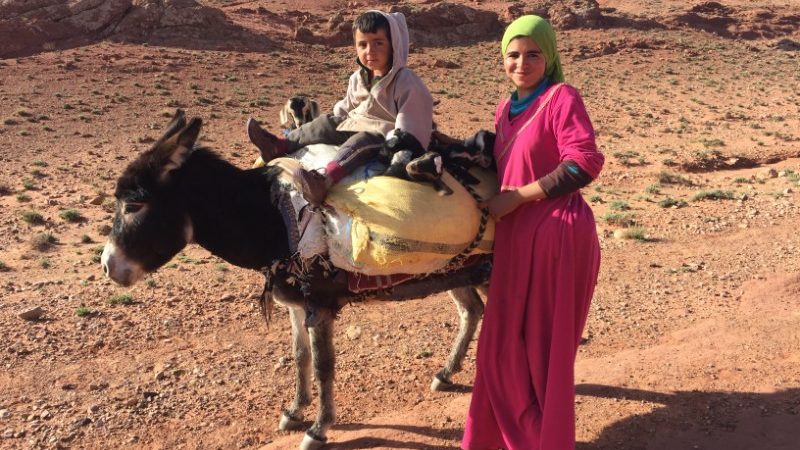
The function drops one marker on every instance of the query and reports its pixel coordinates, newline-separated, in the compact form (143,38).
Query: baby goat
(297,111)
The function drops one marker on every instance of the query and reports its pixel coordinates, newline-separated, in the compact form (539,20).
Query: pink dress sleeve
(574,133)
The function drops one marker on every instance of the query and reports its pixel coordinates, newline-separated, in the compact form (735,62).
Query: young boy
(383,95)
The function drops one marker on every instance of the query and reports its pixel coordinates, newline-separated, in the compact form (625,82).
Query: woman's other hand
(502,204)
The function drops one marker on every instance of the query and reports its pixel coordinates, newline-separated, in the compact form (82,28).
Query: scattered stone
(767,173)
(227,298)
(4,414)
(68,386)
(281,362)
(93,409)
(44,415)
(353,332)
(97,201)
(445,64)
(619,233)
(33,313)
(104,229)
(788,45)
(81,422)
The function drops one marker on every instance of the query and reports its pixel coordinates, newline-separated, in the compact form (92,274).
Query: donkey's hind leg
(470,309)
(324,358)
(292,418)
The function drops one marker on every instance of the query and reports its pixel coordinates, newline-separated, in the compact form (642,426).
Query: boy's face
(374,51)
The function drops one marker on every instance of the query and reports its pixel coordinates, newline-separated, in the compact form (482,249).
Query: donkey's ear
(176,124)
(179,146)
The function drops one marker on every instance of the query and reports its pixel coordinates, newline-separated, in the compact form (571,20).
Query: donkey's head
(151,224)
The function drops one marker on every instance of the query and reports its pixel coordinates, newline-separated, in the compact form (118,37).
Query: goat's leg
(292,418)
(324,359)
(470,309)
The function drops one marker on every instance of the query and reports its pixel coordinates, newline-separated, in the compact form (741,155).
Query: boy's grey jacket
(400,100)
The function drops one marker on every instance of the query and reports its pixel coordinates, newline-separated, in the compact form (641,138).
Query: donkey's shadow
(701,420)
(684,420)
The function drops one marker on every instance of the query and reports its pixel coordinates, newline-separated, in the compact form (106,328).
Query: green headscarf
(542,33)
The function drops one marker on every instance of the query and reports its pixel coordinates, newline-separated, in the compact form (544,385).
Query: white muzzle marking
(117,267)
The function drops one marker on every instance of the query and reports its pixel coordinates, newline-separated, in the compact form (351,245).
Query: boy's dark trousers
(355,148)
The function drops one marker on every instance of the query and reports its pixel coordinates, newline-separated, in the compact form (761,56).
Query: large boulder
(444,24)
(563,14)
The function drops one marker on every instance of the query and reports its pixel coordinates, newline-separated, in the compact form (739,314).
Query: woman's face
(524,64)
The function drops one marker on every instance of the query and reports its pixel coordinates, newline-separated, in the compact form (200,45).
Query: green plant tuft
(70,215)
(121,299)
(84,311)
(32,217)
(713,195)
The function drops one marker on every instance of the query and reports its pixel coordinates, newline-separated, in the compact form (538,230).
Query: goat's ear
(286,120)
(313,107)
(179,146)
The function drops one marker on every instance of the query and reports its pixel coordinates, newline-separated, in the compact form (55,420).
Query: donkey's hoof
(440,384)
(311,442)
(288,422)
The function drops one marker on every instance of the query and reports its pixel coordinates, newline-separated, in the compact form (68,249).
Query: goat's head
(476,151)
(297,111)
(151,224)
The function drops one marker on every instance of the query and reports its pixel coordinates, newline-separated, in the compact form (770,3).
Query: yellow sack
(385,225)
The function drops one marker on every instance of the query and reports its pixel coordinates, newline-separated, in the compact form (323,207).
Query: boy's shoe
(266,142)
(312,185)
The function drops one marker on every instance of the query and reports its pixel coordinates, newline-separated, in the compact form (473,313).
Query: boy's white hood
(399,32)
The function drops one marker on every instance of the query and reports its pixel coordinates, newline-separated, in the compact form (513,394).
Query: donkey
(178,193)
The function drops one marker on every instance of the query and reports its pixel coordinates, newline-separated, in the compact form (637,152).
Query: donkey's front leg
(324,358)
(470,310)
(292,418)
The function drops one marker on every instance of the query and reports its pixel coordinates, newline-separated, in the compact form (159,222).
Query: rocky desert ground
(693,340)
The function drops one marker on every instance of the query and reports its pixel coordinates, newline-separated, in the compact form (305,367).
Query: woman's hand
(503,204)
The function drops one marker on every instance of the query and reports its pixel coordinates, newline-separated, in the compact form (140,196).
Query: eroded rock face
(441,24)
(31,26)
(170,19)
(729,22)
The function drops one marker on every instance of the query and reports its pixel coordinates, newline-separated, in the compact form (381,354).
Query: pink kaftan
(546,259)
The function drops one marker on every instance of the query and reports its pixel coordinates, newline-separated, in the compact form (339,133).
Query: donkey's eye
(132,208)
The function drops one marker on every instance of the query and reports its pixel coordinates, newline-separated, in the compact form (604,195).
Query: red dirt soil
(692,340)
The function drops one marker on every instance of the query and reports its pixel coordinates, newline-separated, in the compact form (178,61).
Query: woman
(546,254)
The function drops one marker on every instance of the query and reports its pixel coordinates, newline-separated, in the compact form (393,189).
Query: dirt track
(692,340)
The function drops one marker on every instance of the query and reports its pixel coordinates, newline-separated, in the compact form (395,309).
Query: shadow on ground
(701,420)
